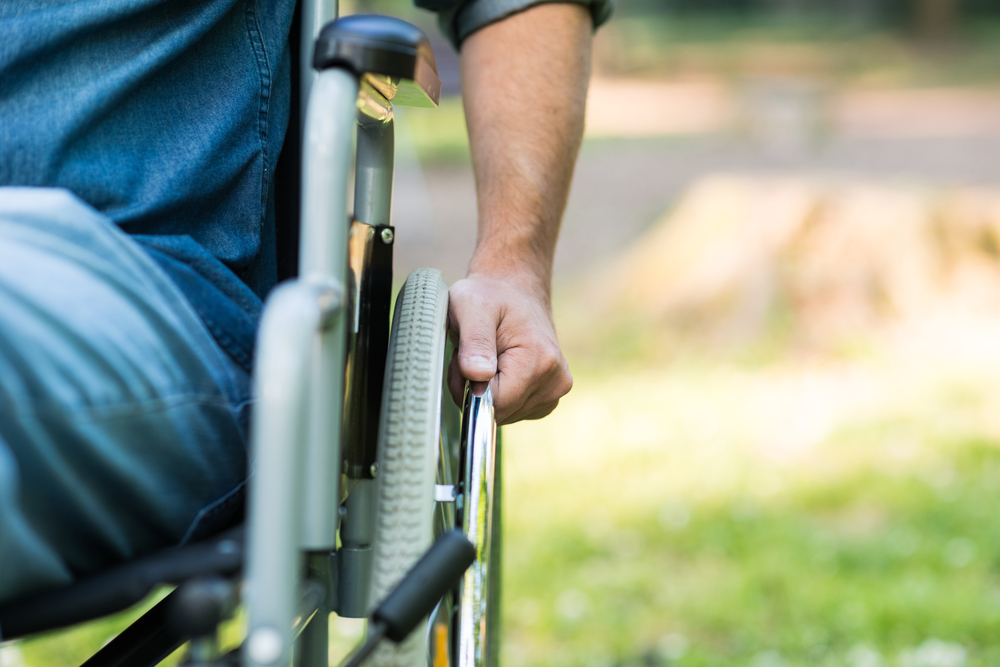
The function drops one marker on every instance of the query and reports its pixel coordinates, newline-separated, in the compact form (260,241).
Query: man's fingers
(536,413)
(527,408)
(477,354)
(505,337)
(529,383)
(477,338)
(517,395)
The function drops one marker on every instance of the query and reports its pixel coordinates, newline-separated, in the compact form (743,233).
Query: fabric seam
(207,509)
(264,71)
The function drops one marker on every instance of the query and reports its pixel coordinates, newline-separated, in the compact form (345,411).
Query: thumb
(477,348)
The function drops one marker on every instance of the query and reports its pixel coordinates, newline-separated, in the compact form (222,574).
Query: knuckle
(566,384)
(554,365)
(459,289)
(481,338)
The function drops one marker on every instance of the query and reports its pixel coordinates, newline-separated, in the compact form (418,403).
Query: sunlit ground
(803,513)
(800,512)
(792,491)
(782,448)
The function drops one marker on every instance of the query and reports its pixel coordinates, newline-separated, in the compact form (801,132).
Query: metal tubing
(354,558)
(479,459)
(373,170)
(326,164)
(330,121)
(372,203)
(321,476)
(145,643)
(315,14)
(312,649)
(311,602)
(291,320)
(355,577)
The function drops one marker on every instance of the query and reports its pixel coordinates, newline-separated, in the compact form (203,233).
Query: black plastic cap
(372,43)
(437,571)
(201,605)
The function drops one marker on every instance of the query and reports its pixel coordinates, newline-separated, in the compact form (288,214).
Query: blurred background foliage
(778,287)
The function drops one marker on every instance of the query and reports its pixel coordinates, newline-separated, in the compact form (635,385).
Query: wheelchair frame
(304,330)
(322,343)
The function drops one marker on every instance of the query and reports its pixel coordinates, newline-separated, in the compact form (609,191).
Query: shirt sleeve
(460,18)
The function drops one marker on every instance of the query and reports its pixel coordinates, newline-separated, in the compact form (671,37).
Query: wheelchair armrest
(394,56)
(123,586)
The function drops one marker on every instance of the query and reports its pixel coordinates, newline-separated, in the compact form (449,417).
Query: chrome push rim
(476,508)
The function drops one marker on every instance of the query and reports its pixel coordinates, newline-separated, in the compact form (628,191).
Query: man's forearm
(524,84)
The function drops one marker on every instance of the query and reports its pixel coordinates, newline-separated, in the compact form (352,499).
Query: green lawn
(871,563)
(795,512)
(822,514)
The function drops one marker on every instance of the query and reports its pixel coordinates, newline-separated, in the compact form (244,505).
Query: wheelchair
(357,463)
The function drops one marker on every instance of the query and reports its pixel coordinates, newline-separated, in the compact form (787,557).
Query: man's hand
(505,336)
(524,86)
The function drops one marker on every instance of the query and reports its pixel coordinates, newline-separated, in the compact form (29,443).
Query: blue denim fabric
(122,423)
(165,115)
(121,419)
(168,116)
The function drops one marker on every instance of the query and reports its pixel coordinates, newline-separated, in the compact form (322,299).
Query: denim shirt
(168,117)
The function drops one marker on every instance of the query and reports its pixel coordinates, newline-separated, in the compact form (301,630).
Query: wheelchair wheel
(408,447)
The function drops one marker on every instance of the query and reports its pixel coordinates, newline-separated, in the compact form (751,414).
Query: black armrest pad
(383,46)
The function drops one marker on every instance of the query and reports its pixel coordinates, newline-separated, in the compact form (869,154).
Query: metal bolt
(374,468)
(387,236)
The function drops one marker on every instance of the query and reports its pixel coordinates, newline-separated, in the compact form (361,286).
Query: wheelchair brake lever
(438,571)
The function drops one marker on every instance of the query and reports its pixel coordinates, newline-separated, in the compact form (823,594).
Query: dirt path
(622,185)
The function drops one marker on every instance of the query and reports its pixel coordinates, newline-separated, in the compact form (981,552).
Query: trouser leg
(122,424)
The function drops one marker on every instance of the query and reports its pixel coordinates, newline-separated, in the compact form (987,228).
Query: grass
(71,647)
(710,511)
(704,514)
(649,43)
(808,575)
(796,514)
